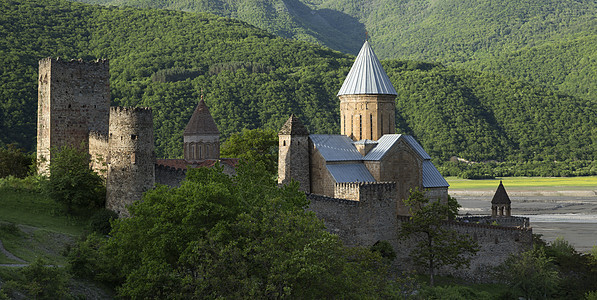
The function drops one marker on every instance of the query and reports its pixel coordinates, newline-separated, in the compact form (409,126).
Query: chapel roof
(367,76)
(293,126)
(201,121)
(346,164)
(500,196)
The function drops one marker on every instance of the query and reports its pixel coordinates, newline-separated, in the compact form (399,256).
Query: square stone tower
(73,99)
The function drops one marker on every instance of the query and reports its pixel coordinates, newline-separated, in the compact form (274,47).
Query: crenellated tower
(367,108)
(201,136)
(73,100)
(131,165)
(293,154)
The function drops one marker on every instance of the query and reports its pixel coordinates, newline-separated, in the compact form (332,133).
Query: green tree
(436,245)
(531,273)
(14,162)
(252,146)
(73,184)
(217,236)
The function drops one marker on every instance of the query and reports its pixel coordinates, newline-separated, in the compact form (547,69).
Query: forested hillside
(163,59)
(548,42)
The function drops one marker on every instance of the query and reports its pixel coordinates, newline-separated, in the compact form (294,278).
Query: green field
(526,183)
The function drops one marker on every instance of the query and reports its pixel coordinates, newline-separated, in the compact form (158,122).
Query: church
(368,150)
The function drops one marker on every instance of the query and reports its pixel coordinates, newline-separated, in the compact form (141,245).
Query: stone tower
(500,204)
(367,109)
(201,136)
(293,154)
(131,166)
(73,99)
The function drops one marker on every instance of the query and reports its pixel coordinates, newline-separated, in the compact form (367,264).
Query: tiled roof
(201,122)
(367,76)
(293,126)
(431,176)
(500,196)
(350,173)
(335,147)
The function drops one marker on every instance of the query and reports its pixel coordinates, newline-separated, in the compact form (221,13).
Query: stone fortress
(74,110)
(356,181)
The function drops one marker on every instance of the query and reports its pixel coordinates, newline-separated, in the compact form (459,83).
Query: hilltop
(547,42)
(250,78)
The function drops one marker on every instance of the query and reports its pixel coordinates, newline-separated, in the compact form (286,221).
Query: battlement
(363,191)
(321,198)
(479,227)
(121,110)
(98,136)
(49,60)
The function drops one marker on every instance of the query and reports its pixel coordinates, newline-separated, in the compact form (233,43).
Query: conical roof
(367,76)
(293,126)
(201,122)
(500,196)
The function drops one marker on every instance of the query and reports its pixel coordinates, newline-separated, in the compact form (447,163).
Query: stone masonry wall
(169,176)
(293,160)
(367,116)
(73,99)
(496,243)
(359,223)
(99,153)
(131,170)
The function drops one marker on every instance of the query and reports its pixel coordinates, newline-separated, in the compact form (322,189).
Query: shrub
(100,221)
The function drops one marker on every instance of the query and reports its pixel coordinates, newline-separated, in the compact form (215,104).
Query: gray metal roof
(350,173)
(388,140)
(383,145)
(431,176)
(335,147)
(367,76)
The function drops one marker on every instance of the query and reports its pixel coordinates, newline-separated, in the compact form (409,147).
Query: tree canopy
(436,246)
(233,237)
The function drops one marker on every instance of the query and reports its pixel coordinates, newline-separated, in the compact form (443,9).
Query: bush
(73,184)
(100,221)
(43,282)
(456,292)
(14,162)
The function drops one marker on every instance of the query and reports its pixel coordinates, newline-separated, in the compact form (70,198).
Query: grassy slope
(31,227)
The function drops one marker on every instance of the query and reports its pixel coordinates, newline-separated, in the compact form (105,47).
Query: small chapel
(367,151)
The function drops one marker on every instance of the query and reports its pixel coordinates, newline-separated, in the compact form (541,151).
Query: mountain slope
(164,59)
(472,34)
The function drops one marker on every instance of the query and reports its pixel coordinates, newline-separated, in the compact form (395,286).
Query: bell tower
(367,108)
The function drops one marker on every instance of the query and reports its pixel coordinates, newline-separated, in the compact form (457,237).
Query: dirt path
(10,256)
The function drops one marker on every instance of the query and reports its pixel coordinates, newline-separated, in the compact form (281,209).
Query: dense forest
(252,79)
(548,42)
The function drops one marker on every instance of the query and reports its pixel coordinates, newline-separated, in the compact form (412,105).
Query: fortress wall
(98,152)
(169,176)
(131,171)
(359,223)
(73,98)
(496,243)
